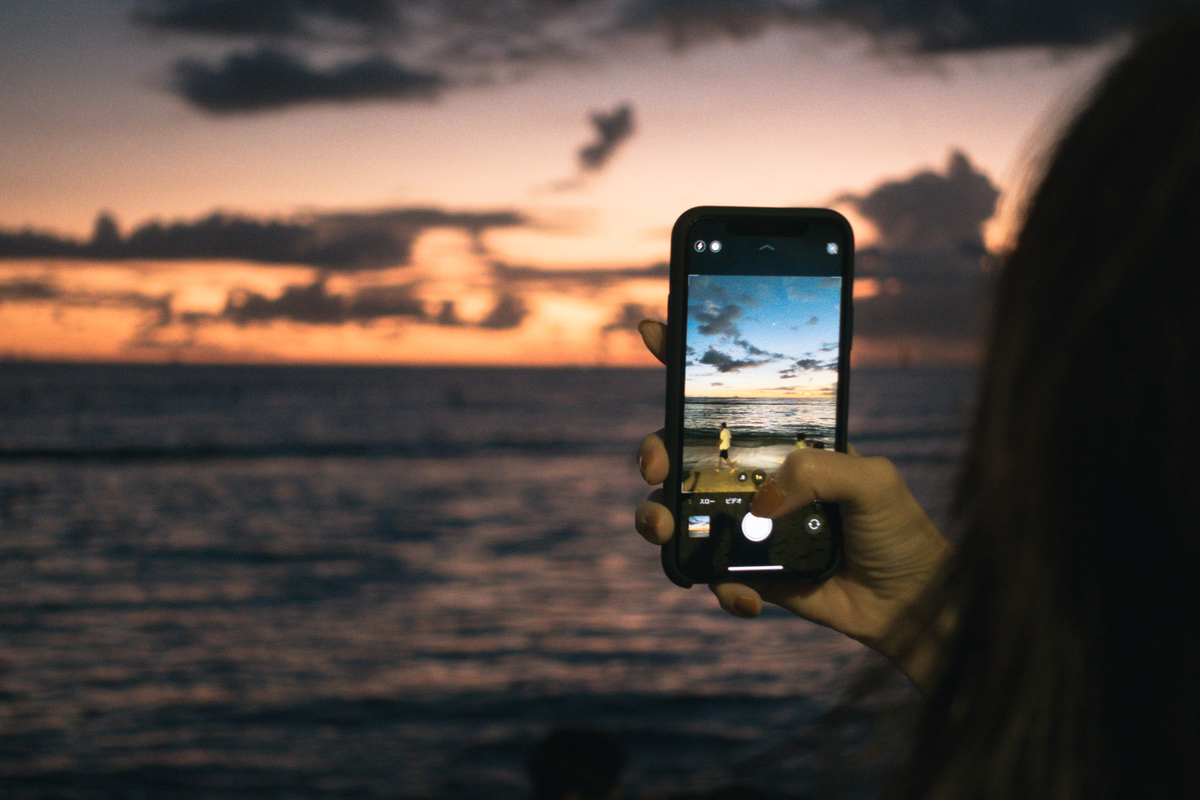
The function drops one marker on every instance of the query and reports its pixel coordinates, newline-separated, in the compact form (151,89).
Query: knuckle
(803,466)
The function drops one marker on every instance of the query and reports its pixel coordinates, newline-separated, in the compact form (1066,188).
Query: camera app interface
(760,380)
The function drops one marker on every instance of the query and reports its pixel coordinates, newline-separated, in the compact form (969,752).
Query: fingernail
(767,500)
(645,525)
(745,607)
(642,464)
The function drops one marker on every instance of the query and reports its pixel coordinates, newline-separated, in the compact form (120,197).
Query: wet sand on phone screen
(703,474)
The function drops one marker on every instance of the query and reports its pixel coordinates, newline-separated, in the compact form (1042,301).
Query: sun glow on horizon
(495,241)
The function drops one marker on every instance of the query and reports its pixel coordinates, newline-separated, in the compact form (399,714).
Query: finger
(828,476)
(852,451)
(654,334)
(738,599)
(654,522)
(652,459)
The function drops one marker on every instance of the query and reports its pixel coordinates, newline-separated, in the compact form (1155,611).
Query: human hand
(891,548)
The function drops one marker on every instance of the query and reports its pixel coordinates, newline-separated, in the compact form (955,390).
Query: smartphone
(758,360)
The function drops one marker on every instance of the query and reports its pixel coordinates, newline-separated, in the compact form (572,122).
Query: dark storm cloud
(448,315)
(930,210)
(916,26)
(509,312)
(377,302)
(683,23)
(458,42)
(474,222)
(269,78)
(583,278)
(395,50)
(221,236)
(307,18)
(311,304)
(611,129)
(315,305)
(460,38)
(752,350)
(930,262)
(725,362)
(717,320)
(933,26)
(799,366)
(46,290)
(28,289)
(343,242)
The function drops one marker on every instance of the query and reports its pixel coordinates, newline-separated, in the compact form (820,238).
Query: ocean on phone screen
(308,582)
(763,430)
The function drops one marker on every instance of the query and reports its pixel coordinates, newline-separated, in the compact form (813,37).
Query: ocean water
(759,420)
(283,582)
(762,430)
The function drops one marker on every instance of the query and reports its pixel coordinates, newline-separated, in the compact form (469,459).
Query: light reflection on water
(383,625)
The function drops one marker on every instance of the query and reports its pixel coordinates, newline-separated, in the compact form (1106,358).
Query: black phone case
(676,312)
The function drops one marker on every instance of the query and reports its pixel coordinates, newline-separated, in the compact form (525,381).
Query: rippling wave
(234,582)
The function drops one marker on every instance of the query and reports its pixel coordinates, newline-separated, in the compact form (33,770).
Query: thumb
(654,334)
(829,477)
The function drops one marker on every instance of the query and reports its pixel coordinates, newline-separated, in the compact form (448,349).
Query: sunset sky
(425,182)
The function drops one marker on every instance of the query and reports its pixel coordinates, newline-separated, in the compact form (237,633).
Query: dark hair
(582,760)
(1074,666)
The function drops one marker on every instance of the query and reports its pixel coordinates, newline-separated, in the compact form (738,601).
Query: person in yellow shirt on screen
(724,441)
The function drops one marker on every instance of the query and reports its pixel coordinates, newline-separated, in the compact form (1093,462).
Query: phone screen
(762,363)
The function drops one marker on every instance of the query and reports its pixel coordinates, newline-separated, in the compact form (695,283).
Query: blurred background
(320,386)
